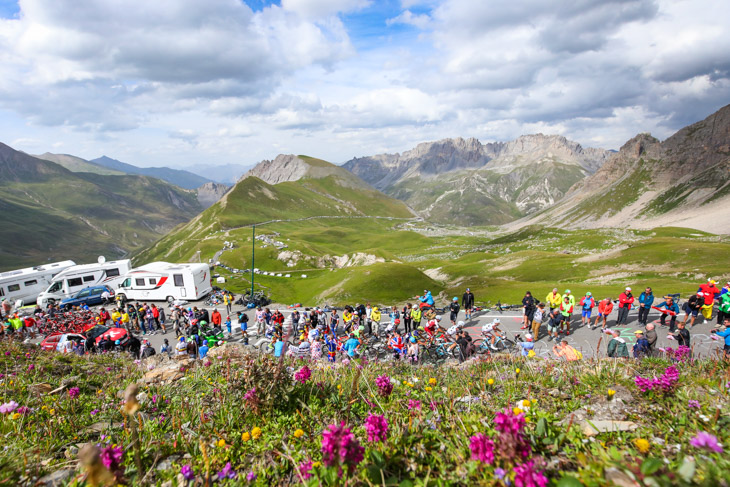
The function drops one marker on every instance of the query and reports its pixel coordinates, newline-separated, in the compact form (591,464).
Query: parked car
(59,341)
(89,295)
(98,332)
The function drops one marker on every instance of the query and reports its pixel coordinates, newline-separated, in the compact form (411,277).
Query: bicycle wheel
(480,346)
(509,345)
(266,347)
(456,352)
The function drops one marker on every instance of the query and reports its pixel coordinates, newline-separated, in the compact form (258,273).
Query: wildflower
(482,448)
(15,416)
(303,375)
(642,445)
(221,443)
(52,411)
(23,410)
(385,386)
(94,412)
(527,476)
(74,392)
(490,382)
(31,367)
(693,403)
(517,411)
(376,427)
(429,389)
(298,433)
(432,381)
(611,392)
(305,469)
(250,395)
(111,457)
(251,476)
(256,433)
(414,404)
(509,423)
(227,472)
(8,407)
(187,472)
(246,436)
(499,473)
(339,446)
(706,441)
(517,370)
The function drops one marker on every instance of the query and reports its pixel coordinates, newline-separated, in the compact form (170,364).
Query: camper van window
(127,282)
(30,283)
(139,282)
(89,278)
(112,272)
(178,280)
(55,287)
(76,281)
(153,282)
(13,287)
(2,292)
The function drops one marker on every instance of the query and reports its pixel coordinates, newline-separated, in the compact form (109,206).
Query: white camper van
(25,284)
(82,276)
(162,281)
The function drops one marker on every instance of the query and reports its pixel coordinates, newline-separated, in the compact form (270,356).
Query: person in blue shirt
(672,310)
(351,345)
(726,335)
(646,299)
(228,325)
(426,300)
(527,345)
(203,351)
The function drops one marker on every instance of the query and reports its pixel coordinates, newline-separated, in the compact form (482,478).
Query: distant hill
(178,177)
(683,181)
(48,213)
(286,188)
(464,182)
(77,164)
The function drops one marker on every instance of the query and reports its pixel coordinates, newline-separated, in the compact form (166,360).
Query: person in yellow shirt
(554,299)
(125,320)
(375,317)
(116,316)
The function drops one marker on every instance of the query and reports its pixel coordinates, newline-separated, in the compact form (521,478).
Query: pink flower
(385,387)
(482,448)
(8,407)
(527,476)
(339,446)
(74,392)
(305,469)
(303,375)
(23,410)
(111,457)
(376,427)
(706,441)
(414,404)
(508,422)
(693,403)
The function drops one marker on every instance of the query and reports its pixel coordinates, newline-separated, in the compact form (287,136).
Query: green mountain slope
(77,164)
(50,213)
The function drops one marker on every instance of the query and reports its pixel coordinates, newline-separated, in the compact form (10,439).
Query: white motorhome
(163,281)
(82,276)
(25,284)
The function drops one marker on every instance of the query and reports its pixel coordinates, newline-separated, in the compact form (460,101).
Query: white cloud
(407,17)
(319,9)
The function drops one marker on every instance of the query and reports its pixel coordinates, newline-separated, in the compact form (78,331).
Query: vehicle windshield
(55,287)
(96,331)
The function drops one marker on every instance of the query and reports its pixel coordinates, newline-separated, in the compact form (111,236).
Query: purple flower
(305,469)
(508,422)
(8,407)
(250,477)
(414,404)
(482,448)
(665,383)
(527,476)
(94,412)
(385,387)
(111,457)
(187,472)
(74,392)
(376,427)
(227,472)
(23,410)
(303,375)
(339,446)
(31,367)
(693,404)
(499,473)
(706,441)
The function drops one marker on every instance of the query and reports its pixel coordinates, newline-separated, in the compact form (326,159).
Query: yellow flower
(517,370)
(339,387)
(611,392)
(317,464)
(526,403)
(245,436)
(52,411)
(490,382)
(16,415)
(221,443)
(428,388)
(534,401)
(298,433)
(517,411)
(405,382)
(256,433)
(642,445)
(432,381)
(471,383)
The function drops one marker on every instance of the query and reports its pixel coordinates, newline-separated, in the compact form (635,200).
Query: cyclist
(432,327)
(452,334)
(491,331)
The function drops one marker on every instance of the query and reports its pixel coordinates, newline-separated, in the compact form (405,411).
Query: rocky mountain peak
(210,193)
(285,167)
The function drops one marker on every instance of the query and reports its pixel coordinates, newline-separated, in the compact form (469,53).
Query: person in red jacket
(216,318)
(605,307)
(710,293)
(625,300)
(104,316)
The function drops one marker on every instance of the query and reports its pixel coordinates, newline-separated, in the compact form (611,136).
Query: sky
(191,82)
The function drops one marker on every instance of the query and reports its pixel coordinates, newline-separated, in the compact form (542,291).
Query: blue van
(90,295)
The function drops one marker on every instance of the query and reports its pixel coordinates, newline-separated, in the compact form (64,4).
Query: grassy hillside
(54,214)
(76,164)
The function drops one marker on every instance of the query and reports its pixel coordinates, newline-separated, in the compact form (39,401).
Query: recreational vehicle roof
(39,268)
(167,267)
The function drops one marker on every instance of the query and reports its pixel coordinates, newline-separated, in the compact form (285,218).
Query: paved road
(582,338)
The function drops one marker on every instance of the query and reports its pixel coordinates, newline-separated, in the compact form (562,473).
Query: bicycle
(501,344)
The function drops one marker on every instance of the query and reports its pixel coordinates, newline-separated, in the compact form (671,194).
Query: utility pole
(253,255)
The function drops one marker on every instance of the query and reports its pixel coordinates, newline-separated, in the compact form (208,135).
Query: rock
(167,373)
(620,478)
(166,464)
(59,477)
(467,399)
(593,428)
(100,427)
(40,388)
(230,349)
